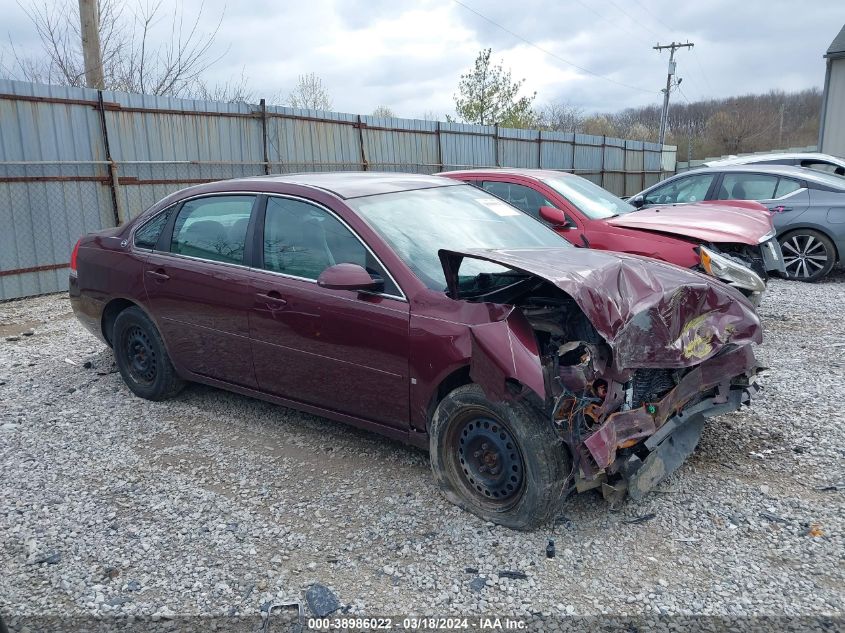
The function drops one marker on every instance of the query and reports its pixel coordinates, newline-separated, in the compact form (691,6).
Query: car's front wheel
(502,461)
(807,255)
(142,358)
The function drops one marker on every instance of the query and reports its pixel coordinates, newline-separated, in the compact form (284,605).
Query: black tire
(807,254)
(142,358)
(524,486)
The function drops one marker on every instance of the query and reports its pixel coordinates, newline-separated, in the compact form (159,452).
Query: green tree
(488,96)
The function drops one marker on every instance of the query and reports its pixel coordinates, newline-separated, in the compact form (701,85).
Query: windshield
(417,224)
(593,201)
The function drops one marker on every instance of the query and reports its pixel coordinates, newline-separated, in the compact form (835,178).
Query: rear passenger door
(198,286)
(341,350)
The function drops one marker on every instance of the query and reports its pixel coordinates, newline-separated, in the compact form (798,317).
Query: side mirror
(637,201)
(555,217)
(348,277)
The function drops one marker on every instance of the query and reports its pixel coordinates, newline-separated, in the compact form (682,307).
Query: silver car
(808,207)
(810,160)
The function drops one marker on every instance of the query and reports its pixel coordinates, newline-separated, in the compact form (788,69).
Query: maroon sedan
(429,311)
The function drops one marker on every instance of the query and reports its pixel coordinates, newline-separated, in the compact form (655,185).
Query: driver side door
(342,350)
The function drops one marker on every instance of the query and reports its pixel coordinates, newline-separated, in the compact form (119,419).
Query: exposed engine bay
(628,389)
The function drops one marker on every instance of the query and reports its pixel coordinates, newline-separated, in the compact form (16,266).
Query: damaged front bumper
(634,450)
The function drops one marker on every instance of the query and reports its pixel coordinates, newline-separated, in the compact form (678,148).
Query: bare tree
(149,49)
(310,94)
(383,112)
(561,117)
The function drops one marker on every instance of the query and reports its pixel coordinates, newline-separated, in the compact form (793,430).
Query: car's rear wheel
(142,358)
(807,255)
(502,461)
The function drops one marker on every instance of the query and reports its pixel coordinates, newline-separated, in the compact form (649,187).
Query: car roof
(791,171)
(352,184)
(538,174)
(744,160)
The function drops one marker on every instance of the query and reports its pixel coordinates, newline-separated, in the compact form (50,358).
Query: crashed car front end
(629,357)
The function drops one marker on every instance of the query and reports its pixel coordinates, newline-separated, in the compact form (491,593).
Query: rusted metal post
(264,136)
(573,153)
(624,169)
(642,175)
(603,151)
(539,149)
(117,209)
(364,164)
(496,141)
(439,148)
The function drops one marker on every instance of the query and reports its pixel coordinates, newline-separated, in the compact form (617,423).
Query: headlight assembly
(729,271)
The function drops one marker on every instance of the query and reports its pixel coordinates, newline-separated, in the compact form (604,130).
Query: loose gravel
(217,504)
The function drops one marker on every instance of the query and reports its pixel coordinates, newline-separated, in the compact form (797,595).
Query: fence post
(539,149)
(360,126)
(496,141)
(573,152)
(603,152)
(117,209)
(624,168)
(264,136)
(642,175)
(439,148)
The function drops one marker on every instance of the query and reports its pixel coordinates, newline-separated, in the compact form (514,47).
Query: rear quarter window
(147,236)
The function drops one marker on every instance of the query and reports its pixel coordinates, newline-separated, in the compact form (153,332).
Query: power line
(654,17)
(634,19)
(549,53)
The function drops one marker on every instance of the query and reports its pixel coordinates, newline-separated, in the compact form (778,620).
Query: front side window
(417,224)
(520,196)
(147,236)
(213,228)
(748,187)
(302,240)
(681,190)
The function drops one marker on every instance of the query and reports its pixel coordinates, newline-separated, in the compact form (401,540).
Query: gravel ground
(217,504)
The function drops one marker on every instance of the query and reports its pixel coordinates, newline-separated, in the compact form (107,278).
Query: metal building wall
(833,139)
(74,160)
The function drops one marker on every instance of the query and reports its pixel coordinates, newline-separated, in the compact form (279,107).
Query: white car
(820,162)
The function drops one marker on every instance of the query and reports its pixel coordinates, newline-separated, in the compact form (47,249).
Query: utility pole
(664,115)
(89,22)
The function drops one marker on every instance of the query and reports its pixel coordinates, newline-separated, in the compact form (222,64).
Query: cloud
(410,55)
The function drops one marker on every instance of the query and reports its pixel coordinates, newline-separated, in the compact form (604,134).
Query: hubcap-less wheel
(489,460)
(804,256)
(141,356)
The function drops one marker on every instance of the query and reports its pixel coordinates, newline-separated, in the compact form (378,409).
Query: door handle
(159,274)
(780,209)
(272,297)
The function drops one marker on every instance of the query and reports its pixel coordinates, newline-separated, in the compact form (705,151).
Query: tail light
(74,254)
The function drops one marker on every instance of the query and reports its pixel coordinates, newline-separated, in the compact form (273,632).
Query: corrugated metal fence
(74,160)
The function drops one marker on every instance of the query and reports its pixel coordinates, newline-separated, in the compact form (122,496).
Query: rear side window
(302,240)
(147,236)
(748,187)
(786,186)
(213,228)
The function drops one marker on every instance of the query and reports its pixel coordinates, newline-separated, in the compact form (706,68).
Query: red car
(429,311)
(735,243)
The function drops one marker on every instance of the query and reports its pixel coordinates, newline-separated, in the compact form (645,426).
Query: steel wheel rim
(140,355)
(488,461)
(803,256)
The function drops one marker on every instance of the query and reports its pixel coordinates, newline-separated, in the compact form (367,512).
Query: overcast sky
(409,55)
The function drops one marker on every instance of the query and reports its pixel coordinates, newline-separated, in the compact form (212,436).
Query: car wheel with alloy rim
(807,255)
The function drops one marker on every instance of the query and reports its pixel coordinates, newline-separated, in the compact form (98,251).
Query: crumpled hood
(709,222)
(652,314)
